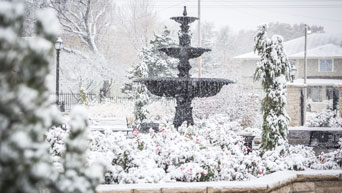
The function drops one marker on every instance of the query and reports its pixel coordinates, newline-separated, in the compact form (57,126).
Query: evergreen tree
(141,96)
(273,71)
(26,113)
(153,64)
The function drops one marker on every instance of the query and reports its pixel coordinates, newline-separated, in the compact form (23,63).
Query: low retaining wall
(301,136)
(318,181)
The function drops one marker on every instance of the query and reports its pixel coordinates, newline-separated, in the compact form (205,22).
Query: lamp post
(307,31)
(58,47)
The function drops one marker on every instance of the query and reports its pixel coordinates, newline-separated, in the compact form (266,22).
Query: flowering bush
(331,160)
(210,151)
(325,118)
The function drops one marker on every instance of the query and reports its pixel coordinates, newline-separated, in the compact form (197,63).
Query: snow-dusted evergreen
(26,114)
(153,64)
(273,72)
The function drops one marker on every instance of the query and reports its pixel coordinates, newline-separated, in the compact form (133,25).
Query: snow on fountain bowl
(184,88)
(193,87)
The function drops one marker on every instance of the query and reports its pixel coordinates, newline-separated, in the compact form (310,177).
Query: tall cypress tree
(273,71)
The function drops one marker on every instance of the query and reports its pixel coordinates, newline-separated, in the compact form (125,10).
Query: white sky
(247,14)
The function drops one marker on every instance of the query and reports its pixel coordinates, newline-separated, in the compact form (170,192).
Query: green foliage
(273,71)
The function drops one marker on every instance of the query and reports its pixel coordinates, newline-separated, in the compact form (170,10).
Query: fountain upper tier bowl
(184,19)
(191,87)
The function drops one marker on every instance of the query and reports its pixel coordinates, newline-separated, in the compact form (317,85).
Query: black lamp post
(58,47)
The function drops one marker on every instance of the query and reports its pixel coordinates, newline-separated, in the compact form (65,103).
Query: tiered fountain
(184,88)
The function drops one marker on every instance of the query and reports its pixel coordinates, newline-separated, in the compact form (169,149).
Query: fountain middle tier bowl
(184,52)
(189,87)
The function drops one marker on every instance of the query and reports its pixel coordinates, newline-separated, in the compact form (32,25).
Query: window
(326,65)
(293,63)
(315,93)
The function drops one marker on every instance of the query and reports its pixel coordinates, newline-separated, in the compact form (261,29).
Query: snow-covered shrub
(77,176)
(193,154)
(297,158)
(327,118)
(234,102)
(56,137)
(273,72)
(331,160)
(210,151)
(26,113)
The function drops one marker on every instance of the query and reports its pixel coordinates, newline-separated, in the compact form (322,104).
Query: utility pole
(199,37)
(305,71)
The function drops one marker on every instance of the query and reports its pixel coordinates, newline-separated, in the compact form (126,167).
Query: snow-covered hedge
(211,151)
(327,118)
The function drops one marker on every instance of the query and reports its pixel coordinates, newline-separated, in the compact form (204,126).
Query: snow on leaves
(212,152)
(273,71)
(26,113)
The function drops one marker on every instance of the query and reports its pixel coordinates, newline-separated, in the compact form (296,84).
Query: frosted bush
(327,118)
(235,102)
(331,160)
(209,151)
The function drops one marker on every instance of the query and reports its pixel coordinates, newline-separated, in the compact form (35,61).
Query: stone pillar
(339,108)
(293,106)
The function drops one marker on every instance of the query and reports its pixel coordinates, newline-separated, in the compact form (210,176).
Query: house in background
(324,67)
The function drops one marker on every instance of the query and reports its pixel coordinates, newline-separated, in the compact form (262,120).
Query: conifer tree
(26,113)
(273,71)
(153,64)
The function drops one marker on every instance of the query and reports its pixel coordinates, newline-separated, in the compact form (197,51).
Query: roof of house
(318,43)
(317,82)
(327,51)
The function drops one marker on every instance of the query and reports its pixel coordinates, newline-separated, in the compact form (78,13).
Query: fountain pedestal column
(183,111)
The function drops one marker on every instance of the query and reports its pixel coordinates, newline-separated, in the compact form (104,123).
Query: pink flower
(260,172)
(197,140)
(158,149)
(190,170)
(163,130)
(136,132)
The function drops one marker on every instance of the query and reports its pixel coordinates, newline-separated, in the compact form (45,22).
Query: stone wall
(279,182)
(293,106)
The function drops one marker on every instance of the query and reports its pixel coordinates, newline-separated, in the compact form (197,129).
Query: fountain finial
(184,12)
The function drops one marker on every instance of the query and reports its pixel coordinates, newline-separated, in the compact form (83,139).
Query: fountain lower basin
(191,87)
(184,90)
